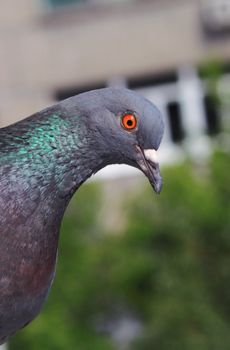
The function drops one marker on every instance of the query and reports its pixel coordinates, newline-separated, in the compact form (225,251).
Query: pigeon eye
(129,121)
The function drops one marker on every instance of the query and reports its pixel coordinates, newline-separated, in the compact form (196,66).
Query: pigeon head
(125,128)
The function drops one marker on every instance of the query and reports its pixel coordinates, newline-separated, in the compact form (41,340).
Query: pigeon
(43,161)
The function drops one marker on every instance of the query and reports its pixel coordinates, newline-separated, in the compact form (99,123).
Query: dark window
(226,67)
(175,121)
(61,94)
(152,80)
(61,3)
(215,16)
(212,115)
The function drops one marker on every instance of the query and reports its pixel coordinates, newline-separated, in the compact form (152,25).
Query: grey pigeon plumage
(43,160)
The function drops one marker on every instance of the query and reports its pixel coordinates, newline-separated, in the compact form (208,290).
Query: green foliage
(190,246)
(211,71)
(170,269)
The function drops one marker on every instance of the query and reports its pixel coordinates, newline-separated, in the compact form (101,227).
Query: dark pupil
(129,122)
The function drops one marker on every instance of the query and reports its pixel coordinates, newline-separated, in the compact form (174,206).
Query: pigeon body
(43,160)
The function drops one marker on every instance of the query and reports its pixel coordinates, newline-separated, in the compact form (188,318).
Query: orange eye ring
(129,121)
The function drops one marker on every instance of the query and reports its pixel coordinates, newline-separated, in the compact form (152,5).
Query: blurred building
(51,49)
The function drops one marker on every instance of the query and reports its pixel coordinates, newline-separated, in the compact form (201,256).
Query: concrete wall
(42,51)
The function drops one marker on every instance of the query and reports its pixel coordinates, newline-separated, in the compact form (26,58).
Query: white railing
(3,347)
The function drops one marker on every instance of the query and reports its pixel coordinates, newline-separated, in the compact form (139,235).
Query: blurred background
(136,270)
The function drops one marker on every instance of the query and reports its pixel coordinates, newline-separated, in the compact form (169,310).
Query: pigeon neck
(45,152)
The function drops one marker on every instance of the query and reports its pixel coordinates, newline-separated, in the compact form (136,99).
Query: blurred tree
(188,307)
(211,71)
(163,284)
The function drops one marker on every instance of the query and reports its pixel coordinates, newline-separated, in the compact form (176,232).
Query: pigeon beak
(148,163)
